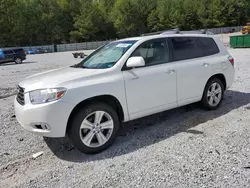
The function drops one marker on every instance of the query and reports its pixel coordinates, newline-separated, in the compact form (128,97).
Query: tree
(88,23)
(130,17)
(9,15)
(38,22)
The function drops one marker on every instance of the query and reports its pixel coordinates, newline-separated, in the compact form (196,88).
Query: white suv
(121,81)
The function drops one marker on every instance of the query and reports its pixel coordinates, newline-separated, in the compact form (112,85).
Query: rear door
(192,68)
(9,55)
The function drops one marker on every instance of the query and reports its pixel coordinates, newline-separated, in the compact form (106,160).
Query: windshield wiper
(79,66)
(85,67)
(74,66)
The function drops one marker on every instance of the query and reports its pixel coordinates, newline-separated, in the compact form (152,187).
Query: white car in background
(121,81)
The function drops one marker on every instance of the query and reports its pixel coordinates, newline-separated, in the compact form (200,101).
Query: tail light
(231,60)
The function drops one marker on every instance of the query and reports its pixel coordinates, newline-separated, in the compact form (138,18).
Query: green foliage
(38,22)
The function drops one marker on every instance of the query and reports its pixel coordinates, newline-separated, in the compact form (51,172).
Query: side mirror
(135,62)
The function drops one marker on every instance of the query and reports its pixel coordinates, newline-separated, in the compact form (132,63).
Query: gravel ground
(184,147)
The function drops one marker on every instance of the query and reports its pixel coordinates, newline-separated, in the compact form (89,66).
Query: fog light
(41,126)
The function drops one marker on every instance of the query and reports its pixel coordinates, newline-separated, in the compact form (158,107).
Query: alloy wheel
(96,129)
(214,94)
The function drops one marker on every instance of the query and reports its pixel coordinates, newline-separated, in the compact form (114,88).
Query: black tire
(82,55)
(73,131)
(204,100)
(75,56)
(18,60)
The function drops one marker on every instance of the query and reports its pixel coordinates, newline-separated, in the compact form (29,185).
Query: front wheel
(213,94)
(18,60)
(94,128)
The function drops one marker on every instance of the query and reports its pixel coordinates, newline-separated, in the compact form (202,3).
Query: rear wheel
(94,128)
(213,94)
(18,60)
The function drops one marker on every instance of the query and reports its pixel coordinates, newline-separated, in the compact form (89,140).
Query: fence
(224,29)
(68,47)
(80,46)
(94,45)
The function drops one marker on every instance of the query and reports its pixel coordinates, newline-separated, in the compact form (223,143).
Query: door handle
(135,78)
(170,72)
(205,64)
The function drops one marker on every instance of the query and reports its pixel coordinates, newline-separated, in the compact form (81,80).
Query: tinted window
(153,52)
(185,48)
(208,46)
(18,50)
(8,52)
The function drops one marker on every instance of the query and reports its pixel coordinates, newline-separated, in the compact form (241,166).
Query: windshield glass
(106,56)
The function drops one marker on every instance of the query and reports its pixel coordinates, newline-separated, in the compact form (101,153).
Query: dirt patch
(7,92)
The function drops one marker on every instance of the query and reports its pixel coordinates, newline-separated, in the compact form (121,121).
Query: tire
(82,55)
(75,56)
(212,100)
(79,135)
(18,60)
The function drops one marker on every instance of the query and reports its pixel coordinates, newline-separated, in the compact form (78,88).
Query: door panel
(196,60)
(149,88)
(8,55)
(192,76)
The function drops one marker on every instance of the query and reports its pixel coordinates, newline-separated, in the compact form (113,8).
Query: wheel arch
(107,99)
(221,77)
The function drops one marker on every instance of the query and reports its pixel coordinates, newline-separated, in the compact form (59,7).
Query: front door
(152,88)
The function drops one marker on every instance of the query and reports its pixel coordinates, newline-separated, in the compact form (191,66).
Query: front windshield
(106,56)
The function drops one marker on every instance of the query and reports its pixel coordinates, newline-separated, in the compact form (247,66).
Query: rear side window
(208,46)
(8,52)
(18,50)
(185,48)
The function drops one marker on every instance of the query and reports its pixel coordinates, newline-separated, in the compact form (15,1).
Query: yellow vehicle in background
(246,29)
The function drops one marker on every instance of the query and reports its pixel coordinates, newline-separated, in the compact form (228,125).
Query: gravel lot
(185,147)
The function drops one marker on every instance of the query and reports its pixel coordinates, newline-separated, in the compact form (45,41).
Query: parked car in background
(122,81)
(39,51)
(31,51)
(47,50)
(16,55)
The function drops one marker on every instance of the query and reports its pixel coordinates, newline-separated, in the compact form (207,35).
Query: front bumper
(54,114)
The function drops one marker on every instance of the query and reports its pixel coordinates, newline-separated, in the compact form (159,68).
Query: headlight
(46,95)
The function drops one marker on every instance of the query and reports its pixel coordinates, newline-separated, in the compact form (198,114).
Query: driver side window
(154,52)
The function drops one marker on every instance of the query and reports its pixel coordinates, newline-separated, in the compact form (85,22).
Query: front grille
(20,96)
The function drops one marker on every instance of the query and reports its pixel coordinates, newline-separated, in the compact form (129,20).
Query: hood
(56,78)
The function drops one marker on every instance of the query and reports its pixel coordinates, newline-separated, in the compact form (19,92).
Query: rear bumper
(229,74)
(54,115)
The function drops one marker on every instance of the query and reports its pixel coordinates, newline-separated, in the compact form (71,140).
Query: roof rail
(172,31)
(177,31)
(154,33)
(202,31)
